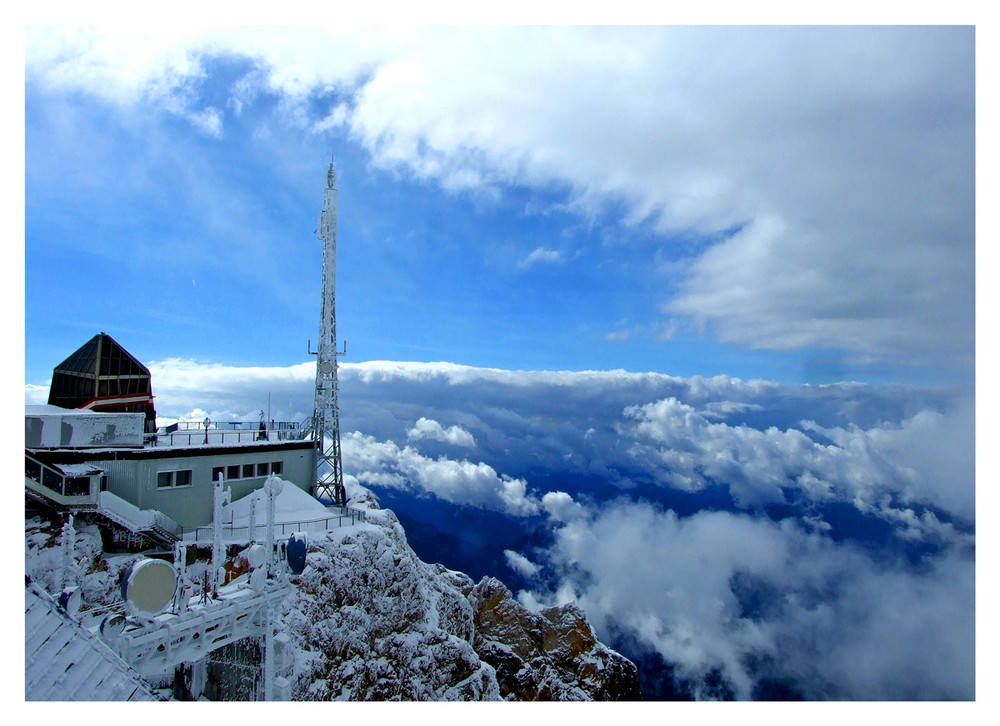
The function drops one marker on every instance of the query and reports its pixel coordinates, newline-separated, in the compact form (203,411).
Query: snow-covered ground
(368,620)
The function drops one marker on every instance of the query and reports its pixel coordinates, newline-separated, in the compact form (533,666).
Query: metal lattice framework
(326,410)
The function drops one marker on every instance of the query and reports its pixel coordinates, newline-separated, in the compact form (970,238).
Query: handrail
(321,524)
(236,425)
(135,519)
(214,437)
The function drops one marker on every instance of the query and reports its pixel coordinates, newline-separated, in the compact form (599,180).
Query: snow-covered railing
(175,638)
(281,529)
(131,517)
(195,433)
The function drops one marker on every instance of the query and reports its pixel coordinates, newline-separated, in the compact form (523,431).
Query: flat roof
(47,409)
(74,456)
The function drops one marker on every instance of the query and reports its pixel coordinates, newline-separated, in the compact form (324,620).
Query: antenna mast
(326,410)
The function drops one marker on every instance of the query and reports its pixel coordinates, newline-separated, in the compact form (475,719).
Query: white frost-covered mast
(326,411)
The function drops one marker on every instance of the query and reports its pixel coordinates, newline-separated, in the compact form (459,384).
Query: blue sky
(792,204)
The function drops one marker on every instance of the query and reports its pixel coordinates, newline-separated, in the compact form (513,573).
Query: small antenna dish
(112,627)
(255,555)
(70,600)
(149,587)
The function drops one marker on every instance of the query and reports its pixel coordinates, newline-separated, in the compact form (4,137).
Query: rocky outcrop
(547,656)
(370,621)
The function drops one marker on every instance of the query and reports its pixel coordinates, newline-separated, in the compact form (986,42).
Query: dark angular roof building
(103,376)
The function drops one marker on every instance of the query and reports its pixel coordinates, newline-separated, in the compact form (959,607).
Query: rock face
(547,656)
(370,621)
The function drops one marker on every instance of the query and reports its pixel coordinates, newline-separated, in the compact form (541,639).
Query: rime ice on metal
(326,411)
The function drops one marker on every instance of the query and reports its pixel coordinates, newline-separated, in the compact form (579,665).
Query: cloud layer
(750,599)
(822,177)
(838,561)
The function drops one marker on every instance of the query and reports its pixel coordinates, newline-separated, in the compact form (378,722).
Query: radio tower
(326,411)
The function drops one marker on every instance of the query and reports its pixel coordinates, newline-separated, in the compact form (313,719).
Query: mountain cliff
(370,621)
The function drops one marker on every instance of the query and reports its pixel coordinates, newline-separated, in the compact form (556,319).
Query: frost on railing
(216,433)
(131,516)
(283,529)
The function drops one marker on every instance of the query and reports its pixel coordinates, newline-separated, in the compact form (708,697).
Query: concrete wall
(79,429)
(135,480)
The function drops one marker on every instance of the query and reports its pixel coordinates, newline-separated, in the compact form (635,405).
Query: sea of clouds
(745,532)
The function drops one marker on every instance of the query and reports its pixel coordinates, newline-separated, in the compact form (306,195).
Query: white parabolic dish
(149,587)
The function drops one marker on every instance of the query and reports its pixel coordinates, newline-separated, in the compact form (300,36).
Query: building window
(275,467)
(77,486)
(180,478)
(233,472)
(217,472)
(261,469)
(247,471)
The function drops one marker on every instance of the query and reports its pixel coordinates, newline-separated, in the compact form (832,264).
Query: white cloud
(521,564)
(889,452)
(35,394)
(844,156)
(543,255)
(926,458)
(863,443)
(384,463)
(791,600)
(561,507)
(426,428)
(229,392)
(755,599)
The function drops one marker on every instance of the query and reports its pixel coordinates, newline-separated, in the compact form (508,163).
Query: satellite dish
(295,551)
(326,366)
(112,626)
(255,555)
(70,600)
(149,587)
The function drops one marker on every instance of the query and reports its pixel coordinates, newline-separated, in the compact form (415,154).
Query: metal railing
(135,519)
(167,640)
(194,433)
(282,529)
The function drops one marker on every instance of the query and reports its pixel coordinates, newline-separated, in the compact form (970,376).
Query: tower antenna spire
(326,410)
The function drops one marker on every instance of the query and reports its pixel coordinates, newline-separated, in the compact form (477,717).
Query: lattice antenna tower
(326,410)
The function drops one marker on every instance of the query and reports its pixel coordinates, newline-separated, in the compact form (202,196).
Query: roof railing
(195,433)
(281,529)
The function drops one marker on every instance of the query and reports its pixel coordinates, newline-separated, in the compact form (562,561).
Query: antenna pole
(326,410)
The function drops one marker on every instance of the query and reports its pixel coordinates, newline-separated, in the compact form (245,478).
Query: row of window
(67,385)
(182,477)
(246,471)
(179,478)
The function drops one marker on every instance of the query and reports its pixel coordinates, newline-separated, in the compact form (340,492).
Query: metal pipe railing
(215,437)
(242,533)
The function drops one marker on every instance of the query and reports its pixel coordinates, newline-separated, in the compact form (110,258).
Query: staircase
(148,522)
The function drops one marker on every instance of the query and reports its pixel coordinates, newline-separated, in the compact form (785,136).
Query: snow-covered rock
(371,621)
